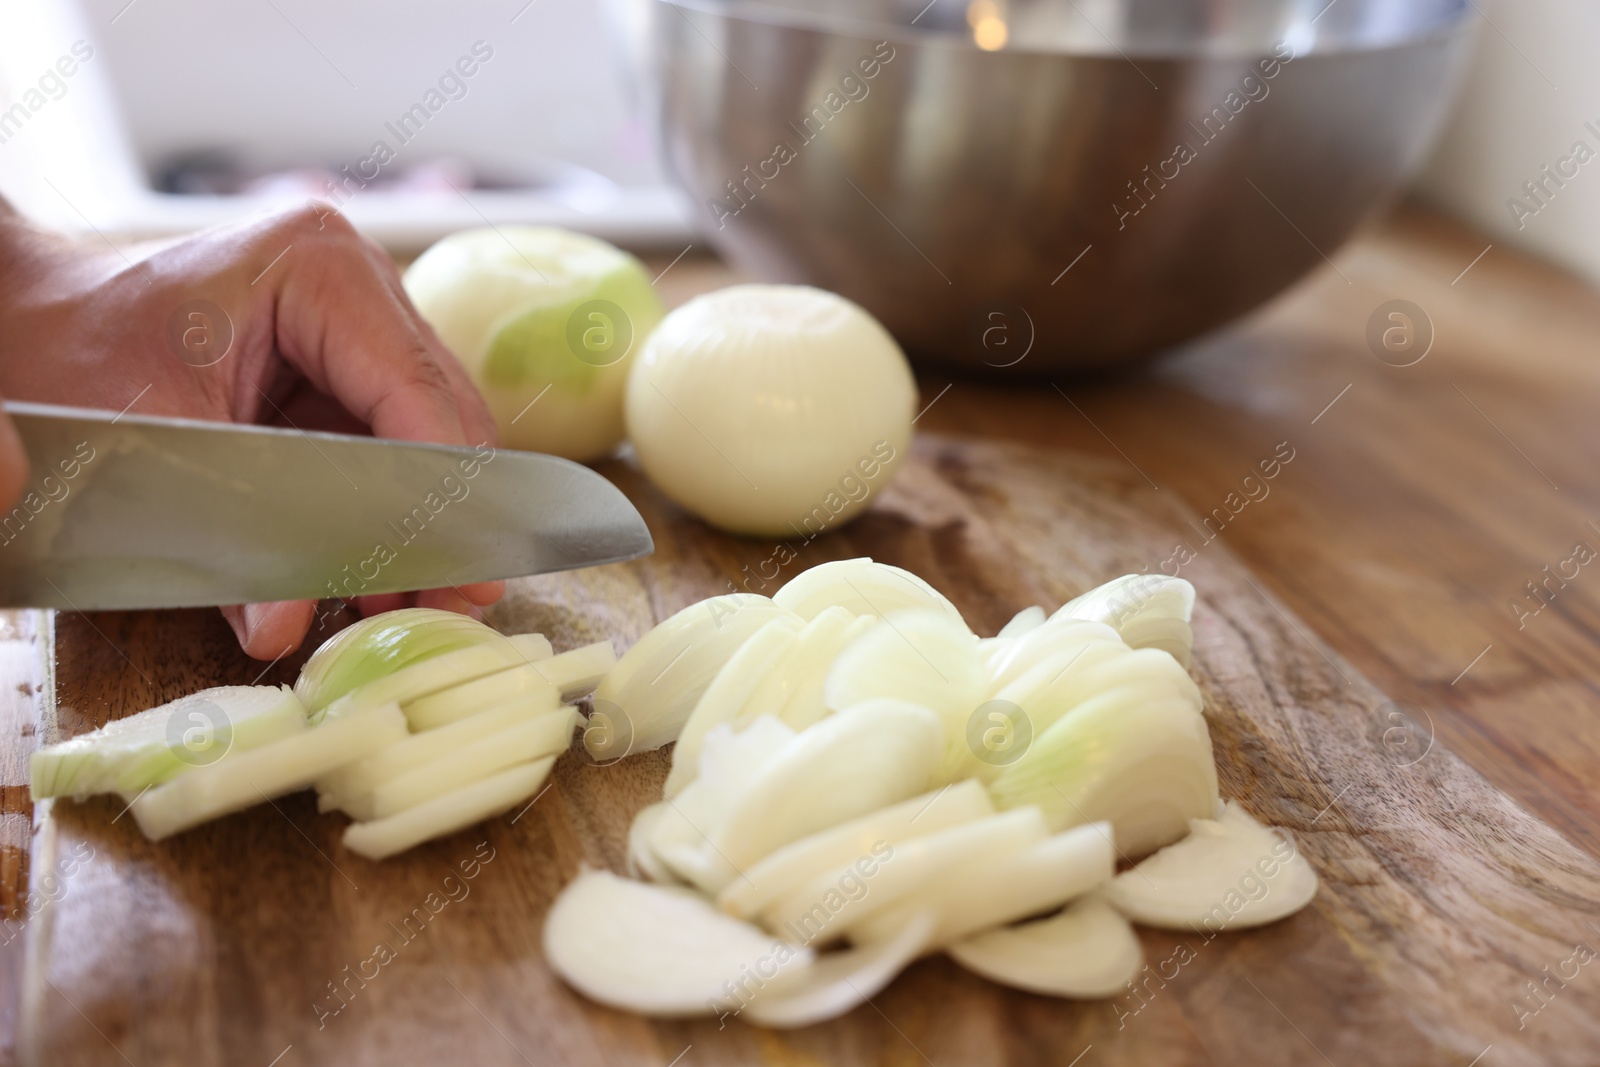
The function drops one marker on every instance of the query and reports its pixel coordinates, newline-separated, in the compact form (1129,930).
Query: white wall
(1534,84)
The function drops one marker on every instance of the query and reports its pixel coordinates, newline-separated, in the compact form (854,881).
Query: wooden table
(1420,502)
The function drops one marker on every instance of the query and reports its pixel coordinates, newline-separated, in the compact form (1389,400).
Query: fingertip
(378,603)
(271,631)
(483,593)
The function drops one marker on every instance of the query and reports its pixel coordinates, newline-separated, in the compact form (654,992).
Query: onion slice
(523,684)
(1087,950)
(862,585)
(130,754)
(1144,765)
(840,900)
(531,738)
(1229,872)
(449,812)
(973,898)
(1030,618)
(241,779)
(843,767)
(662,951)
(839,981)
(725,698)
(1131,605)
(851,842)
(578,670)
(923,657)
(648,695)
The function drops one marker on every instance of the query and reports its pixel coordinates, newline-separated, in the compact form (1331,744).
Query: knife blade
(132,511)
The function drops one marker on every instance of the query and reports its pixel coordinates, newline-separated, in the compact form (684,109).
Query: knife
(131,511)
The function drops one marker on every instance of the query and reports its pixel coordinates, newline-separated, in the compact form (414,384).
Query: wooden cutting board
(253,940)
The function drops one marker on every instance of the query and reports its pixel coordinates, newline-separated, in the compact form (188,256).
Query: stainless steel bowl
(1045,184)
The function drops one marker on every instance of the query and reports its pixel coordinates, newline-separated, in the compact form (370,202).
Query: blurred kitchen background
(189,112)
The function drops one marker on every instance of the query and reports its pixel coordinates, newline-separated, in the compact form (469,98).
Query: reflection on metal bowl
(1089,182)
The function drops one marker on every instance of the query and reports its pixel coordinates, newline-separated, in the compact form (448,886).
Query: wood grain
(1441,896)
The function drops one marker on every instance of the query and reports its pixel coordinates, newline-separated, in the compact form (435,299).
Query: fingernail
(254,616)
(235,619)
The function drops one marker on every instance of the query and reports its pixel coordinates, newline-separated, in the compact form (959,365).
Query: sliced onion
(1131,602)
(449,812)
(649,694)
(730,762)
(130,754)
(522,742)
(808,705)
(843,767)
(1013,886)
(922,657)
(578,670)
(824,908)
(413,751)
(1229,872)
(241,779)
(819,643)
(838,981)
(729,693)
(864,587)
(1144,765)
(1061,642)
(862,838)
(523,683)
(660,950)
(1087,950)
(378,646)
(438,673)
(1030,618)
(642,861)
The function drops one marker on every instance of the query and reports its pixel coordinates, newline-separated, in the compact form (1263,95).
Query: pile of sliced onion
(416,723)
(860,780)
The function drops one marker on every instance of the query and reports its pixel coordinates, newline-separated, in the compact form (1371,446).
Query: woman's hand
(322,337)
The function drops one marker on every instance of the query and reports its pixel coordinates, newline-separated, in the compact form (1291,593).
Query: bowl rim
(1453,20)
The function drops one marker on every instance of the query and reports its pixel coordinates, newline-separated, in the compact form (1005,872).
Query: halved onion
(380,645)
(660,950)
(648,695)
(862,585)
(441,672)
(1229,872)
(1086,950)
